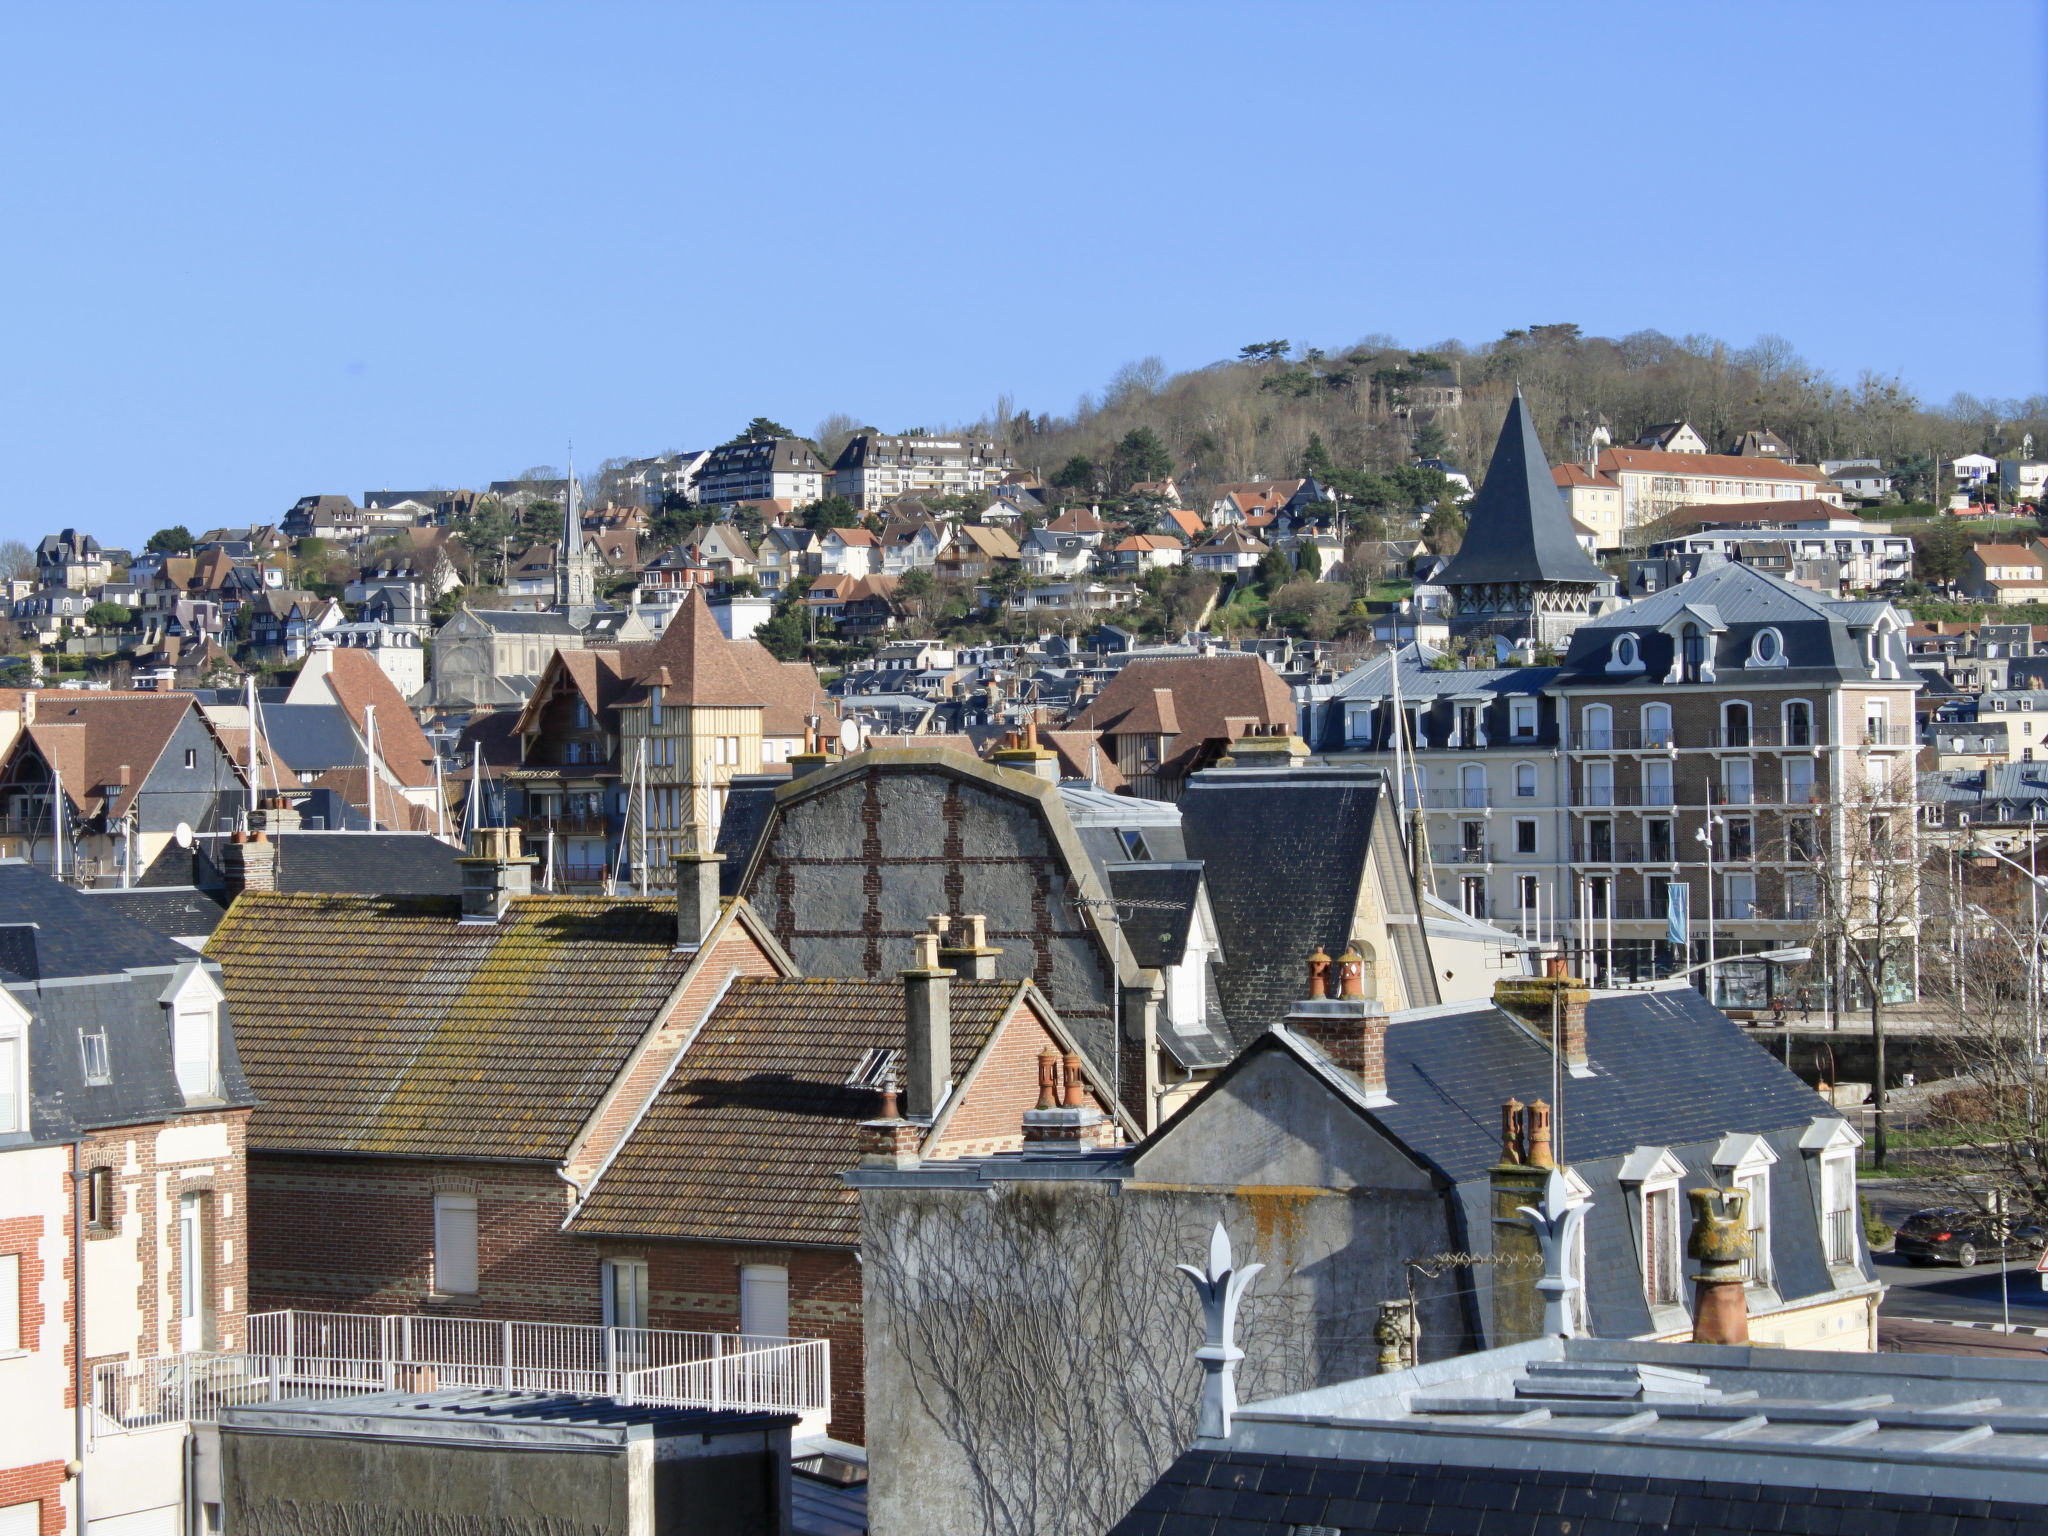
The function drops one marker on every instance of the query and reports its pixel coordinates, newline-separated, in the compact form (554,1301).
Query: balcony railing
(1841,1237)
(1624,794)
(1460,799)
(1458,853)
(580,825)
(1621,741)
(1714,738)
(327,1354)
(1888,736)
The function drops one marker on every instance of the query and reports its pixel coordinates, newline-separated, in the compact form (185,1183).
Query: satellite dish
(183,833)
(849,736)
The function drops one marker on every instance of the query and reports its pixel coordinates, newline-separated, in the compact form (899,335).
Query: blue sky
(255,253)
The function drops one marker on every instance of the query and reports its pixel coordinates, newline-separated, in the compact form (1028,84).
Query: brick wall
(44,1482)
(357,1235)
(146,1196)
(990,1115)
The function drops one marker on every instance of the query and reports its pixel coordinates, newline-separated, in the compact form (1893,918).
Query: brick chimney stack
(928,1028)
(1553,1006)
(274,814)
(1350,1029)
(973,957)
(888,1140)
(1020,750)
(249,863)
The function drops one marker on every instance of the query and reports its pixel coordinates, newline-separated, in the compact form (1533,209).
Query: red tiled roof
(89,737)
(356,682)
(1194,699)
(1578,474)
(1705,465)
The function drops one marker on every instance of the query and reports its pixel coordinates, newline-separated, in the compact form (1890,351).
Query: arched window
(1472,785)
(1735,725)
(1656,725)
(1799,724)
(1694,650)
(1598,723)
(1525,781)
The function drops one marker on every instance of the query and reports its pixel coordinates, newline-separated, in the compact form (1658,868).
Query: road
(1942,1291)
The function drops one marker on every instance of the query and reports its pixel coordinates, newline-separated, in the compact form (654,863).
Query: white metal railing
(298,1354)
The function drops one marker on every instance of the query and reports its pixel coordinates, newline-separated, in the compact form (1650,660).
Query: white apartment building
(1655,483)
(774,469)
(1869,554)
(2021,478)
(874,469)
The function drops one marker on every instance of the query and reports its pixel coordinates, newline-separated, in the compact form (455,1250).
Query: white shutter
(455,1245)
(193,1035)
(764,1300)
(22,1519)
(10,1312)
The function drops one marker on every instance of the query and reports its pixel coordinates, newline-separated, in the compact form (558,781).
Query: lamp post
(1706,837)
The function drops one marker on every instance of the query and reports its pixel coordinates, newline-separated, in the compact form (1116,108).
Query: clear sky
(250,254)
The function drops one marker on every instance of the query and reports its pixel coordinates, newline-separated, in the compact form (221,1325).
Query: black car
(1954,1234)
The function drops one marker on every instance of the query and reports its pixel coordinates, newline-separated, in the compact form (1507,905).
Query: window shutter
(455,1266)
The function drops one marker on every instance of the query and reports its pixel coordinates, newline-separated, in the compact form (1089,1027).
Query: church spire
(576,563)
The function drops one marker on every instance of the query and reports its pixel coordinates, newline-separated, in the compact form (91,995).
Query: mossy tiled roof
(747,1140)
(383,1025)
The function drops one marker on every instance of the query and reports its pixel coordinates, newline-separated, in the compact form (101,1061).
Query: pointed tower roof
(572,516)
(696,661)
(1519,528)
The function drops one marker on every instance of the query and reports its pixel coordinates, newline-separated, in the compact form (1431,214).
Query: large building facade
(773,469)
(874,469)
(1569,802)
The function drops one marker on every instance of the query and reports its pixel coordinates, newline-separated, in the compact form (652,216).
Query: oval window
(1625,652)
(1767,645)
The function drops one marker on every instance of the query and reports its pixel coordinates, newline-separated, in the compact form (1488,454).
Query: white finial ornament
(1556,1223)
(1219,1291)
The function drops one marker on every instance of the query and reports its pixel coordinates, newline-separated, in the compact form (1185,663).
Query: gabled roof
(1203,696)
(384,1025)
(90,737)
(1518,529)
(356,682)
(748,1138)
(698,659)
(1704,465)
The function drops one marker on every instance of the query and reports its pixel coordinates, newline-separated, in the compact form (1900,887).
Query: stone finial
(1556,1223)
(1219,1291)
(1318,973)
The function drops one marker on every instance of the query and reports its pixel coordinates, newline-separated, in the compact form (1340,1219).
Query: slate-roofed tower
(576,567)
(1521,572)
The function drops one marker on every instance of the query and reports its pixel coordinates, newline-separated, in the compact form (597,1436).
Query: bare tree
(17,560)
(1863,890)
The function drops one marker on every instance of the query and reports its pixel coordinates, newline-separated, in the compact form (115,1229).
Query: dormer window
(1693,648)
(1767,649)
(654,705)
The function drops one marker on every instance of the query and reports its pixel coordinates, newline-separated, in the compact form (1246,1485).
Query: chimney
(697,903)
(888,1140)
(1064,1121)
(1553,1001)
(493,872)
(1139,1073)
(1514,1182)
(1350,1029)
(928,1028)
(249,864)
(1720,1240)
(818,749)
(274,813)
(1021,751)
(973,957)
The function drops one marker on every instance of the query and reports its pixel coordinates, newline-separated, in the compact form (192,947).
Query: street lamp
(1705,835)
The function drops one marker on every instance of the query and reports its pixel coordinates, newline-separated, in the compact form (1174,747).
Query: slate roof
(746,1142)
(1670,1070)
(174,911)
(365,863)
(1155,938)
(1283,855)
(73,933)
(311,738)
(1518,529)
(383,1025)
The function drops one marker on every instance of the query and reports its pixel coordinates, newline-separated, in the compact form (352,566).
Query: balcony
(534,828)
(1624,794)
(1458,853)
(1450,799)
(1887,736)
(329,1354)
(1614,853)
(1622,741)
